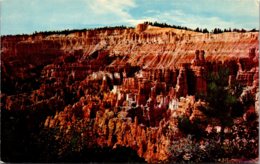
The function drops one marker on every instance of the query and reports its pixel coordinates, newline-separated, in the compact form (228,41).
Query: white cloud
(177,17)
(30,15)
(134,22)
(113,10)
(208,22)
(210,14)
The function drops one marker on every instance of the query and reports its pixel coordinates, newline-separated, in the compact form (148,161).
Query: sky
(28,16)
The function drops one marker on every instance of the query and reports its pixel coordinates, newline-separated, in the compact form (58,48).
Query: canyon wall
(132,82)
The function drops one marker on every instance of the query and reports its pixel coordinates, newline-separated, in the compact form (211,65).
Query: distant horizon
(115,26)
(28,16)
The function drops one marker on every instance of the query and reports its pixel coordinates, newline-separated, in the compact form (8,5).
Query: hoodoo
(143,88)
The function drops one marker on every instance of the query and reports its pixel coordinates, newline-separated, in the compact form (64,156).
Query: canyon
(125,87)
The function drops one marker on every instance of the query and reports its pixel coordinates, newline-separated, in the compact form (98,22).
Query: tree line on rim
(205,30)
(69,31)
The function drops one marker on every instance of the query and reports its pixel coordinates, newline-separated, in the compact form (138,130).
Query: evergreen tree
(205,30)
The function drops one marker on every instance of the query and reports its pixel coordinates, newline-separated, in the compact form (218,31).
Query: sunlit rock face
(132,83)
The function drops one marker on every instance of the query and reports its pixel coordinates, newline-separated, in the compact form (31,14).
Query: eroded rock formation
(133,83)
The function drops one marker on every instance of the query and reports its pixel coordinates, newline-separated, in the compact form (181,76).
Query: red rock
(124,80)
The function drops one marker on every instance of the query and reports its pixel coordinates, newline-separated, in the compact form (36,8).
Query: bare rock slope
(128,84)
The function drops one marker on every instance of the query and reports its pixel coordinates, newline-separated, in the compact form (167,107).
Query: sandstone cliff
(133,83)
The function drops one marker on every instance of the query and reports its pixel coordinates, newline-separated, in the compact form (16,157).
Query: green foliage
(248,100)
(77,143)
(223,102)
(227,30)
(198,29)
(167,25)
(201,30)
(188,150)
(190,128)
(67,31)
(254,30)
(184,124)
(216,31)
(241,142)
(205,30)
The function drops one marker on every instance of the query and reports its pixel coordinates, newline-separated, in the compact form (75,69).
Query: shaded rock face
(130,82)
